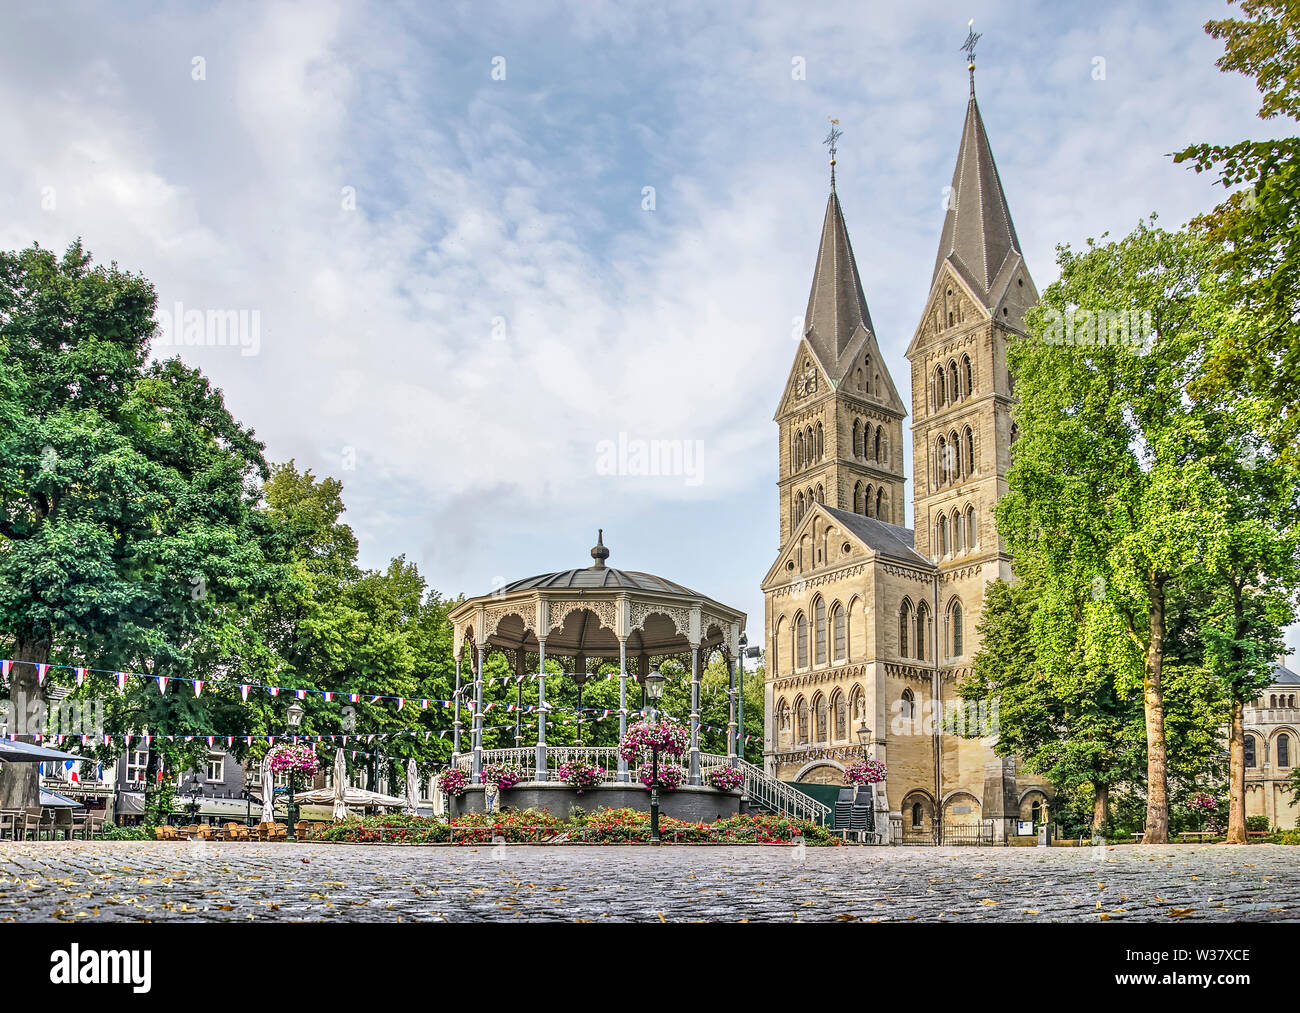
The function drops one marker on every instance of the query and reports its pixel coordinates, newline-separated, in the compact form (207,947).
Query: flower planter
(691,803)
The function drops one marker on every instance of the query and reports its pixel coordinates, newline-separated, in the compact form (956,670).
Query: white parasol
(340,786)
(412,789)
(268,791)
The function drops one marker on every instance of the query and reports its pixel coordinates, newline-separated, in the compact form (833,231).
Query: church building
(870,624)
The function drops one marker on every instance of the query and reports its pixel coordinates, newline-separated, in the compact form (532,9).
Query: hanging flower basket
(724,778)
(503,775)
(644,736)
(299,760)
(453,781)
(581,776)
(865,772)
(671,775)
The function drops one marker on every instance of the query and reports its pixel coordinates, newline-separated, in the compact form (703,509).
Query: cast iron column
(695,716)
(540,773)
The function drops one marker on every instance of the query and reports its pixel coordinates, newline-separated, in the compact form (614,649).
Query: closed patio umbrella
(412,789)
(340,786)
(268,791)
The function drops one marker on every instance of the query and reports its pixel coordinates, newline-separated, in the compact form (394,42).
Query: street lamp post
(294,714)
(654,689)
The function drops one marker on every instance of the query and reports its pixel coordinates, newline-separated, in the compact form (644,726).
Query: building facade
(1272,737)
(869,624)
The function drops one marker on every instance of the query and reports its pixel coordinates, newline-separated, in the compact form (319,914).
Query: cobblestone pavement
(157,881)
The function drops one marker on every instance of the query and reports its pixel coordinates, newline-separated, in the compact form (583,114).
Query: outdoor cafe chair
(11,819)
(61,822)
(33,823)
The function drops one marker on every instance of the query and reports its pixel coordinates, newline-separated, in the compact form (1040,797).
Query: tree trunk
(1100,803)
(20,783)
(1236,779)
(1157,826)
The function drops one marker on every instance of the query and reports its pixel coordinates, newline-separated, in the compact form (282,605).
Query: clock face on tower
(806,383)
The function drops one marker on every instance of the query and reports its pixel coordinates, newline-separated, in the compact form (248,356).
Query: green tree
(1110,488)
(1073,726)
(126,532)
(1257,227)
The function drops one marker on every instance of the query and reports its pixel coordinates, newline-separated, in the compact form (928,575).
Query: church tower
(961,388)
(962,432)
(840,416)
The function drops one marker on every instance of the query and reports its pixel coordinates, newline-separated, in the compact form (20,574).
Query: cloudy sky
(482,240)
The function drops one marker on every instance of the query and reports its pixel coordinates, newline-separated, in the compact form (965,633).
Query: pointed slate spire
(837,306)
(978,239)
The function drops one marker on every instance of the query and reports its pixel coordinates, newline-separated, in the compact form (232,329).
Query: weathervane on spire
(832,143)
(968,47)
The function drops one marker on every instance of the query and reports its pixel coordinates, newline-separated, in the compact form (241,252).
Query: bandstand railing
(758,786)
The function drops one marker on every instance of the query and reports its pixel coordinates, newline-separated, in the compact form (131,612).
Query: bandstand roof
(585,612)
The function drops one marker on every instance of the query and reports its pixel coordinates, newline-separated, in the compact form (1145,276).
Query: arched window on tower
(942,462)
(970,451)
(957,526)
(783,728)
(821,493)
(1249,751)
(1283,751)
(969,372)
(953,385)
(801,720)
(957,640)
(941,536)
(857,439)
(867,501)
(972,529)
(820,448)
(819,612)
(798,451)
(840,629)
(801,641)
(877,447)
(907,710)
(904,629)
(775,661)
(798,507)
(880,513)
(940,396)
(822,710)
(922,629)
(840,706)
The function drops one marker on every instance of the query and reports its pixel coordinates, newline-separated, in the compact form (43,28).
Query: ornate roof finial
(832,142)
(968,47)
(598,552)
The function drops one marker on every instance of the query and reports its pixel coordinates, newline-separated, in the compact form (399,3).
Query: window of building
(801,640)
(972,530)
(922,622)
(904,628)
(1283,750)
(216,768)
(840,626)
(1249,751)
(908,709)
(880,504)
(970,375)
(819,612)
(137,763)
(841,708)
(823,717)
(955,613)
(916,814)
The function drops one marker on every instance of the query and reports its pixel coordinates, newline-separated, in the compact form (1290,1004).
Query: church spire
(837,306)
(978,239)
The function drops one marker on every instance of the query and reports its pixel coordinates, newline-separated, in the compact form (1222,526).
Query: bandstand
(597,612)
